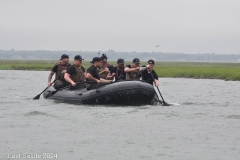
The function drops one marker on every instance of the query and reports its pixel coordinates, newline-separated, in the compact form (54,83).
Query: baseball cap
(120,60)
(95,59)
(64,56)
(78,57)
(150,61)
(136,60)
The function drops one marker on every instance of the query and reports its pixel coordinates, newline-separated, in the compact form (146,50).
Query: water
(203,123)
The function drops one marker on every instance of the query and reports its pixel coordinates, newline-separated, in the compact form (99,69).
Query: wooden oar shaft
(158,89)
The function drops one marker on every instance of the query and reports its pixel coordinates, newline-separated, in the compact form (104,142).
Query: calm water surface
(203,123)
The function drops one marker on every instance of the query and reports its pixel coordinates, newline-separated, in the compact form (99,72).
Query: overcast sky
(186,26)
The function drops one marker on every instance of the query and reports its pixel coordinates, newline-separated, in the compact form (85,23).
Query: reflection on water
(202,123)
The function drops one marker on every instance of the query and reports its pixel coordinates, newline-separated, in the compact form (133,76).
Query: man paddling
(151,77)
(58,69)
(92,74)
(76,72)
(147,71)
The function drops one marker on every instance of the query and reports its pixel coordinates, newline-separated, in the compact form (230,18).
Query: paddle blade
(37,97)
(165,104)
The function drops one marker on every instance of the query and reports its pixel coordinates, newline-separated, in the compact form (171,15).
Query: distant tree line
(112,55)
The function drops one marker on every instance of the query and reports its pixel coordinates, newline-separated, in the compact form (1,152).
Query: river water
(203,122)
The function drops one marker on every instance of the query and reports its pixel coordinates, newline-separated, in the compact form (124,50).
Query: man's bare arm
(50,78)
(130,69)
(90,77)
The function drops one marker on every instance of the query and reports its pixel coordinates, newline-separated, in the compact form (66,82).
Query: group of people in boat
(100,71)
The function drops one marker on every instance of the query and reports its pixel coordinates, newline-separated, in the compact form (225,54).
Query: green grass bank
(225,71)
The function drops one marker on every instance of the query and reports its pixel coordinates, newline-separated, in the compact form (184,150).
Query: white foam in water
(173,104)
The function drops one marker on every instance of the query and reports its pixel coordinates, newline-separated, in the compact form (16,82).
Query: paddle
(38,96)
(163,102)
(158,98)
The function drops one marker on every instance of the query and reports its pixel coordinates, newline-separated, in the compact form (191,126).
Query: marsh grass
(226,71)
(39,65)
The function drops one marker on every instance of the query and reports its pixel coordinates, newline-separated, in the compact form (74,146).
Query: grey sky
(186,26)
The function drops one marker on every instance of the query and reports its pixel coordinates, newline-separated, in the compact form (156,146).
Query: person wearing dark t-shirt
(148,72)
(75,73)
(118,71)
(58,69)
(149,75)
(92,73)
(71,70)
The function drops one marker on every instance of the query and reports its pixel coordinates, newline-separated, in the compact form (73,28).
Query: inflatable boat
(119,93)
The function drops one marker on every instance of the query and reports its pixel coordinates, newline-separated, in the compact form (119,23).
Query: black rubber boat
(119,93)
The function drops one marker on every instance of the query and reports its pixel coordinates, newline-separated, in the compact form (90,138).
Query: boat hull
(119,93)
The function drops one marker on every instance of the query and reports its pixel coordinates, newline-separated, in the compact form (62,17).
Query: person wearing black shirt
(118,71)
(92,73)
(58,69)
(148,72)
(149,75)
(75,73)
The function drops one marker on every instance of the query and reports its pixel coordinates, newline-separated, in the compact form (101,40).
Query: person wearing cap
(118,71)
(59,68)
(75,73)
(92,73)
(103,70)
(148,73)
(133,70)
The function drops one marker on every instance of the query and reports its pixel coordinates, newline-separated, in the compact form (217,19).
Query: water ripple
(234,116)
(37,113)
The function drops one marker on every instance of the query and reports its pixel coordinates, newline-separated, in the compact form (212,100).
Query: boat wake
(173,104)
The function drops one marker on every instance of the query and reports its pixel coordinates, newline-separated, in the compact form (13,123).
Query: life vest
(79,76)
(60,69)
(104,74)
(133,75)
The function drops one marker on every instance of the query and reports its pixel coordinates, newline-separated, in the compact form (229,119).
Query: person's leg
(58,84)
